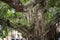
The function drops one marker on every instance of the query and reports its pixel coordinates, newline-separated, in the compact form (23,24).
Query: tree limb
(17,5)
(10,25)
(14,4)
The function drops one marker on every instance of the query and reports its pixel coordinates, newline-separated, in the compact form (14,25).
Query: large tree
(37,8)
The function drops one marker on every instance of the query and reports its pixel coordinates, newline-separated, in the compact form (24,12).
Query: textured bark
(39,23)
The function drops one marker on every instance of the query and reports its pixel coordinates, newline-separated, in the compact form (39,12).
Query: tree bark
(39,27)
(39,23)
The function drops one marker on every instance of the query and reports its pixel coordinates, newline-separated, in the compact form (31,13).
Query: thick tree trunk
(39,24)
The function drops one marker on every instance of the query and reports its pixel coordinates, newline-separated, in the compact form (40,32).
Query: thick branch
(16,4)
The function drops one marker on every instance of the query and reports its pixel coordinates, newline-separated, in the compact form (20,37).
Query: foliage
(6,12)
(24,1)
(53,9)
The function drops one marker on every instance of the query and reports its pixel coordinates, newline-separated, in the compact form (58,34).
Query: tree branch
(17,5)
(22,28)
(14,4)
